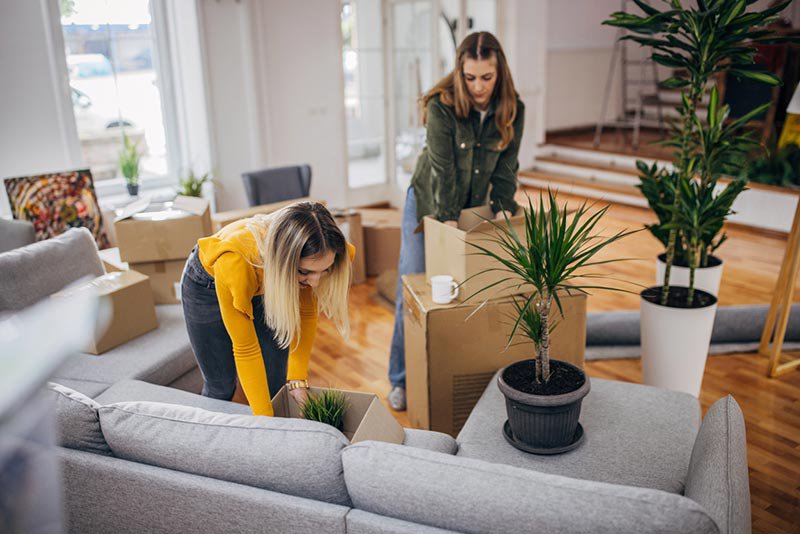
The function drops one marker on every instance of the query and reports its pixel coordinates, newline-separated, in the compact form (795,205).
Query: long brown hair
(453,89)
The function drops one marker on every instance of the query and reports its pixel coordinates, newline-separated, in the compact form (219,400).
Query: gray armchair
(277,184)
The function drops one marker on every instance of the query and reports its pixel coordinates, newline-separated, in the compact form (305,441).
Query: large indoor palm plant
(556,256)
(700,40)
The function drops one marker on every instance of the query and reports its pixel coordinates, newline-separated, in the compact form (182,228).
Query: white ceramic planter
(707,278)
(675,345)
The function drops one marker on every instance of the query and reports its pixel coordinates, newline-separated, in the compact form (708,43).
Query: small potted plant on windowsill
(192,185)
(544,395)
(129,159)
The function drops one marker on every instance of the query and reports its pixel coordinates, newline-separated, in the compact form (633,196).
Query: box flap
(132,209)
(194,205)
(379,425)
(479,219)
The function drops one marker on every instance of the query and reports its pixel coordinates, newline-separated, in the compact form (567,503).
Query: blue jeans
(211,342)
(412,260)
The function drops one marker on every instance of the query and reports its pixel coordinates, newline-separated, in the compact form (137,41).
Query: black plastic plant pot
(133,189)
(544,423)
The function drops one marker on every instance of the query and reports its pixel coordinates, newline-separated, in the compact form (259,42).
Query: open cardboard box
(161,231)
(365,419)
(449,251)
(381,239)
(130,303)
(165,279)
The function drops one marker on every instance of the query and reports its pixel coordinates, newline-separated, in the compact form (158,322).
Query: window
(112,61)
(364,98)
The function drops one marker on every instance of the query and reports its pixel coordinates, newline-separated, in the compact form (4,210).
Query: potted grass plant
(129,159)
(328,407)
(700,41)
(544,395)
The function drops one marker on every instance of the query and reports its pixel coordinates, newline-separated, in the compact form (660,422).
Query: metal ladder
(633,94)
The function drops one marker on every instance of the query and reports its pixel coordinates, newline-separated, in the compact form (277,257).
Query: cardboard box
(365,419)
(449,250)
(381,239)
(111,260)
(131,303)
(224,218)
(450,360)
(165,279)
(349,222)
(162,231)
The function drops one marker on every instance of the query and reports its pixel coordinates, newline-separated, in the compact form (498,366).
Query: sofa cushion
(159,356)
(475,496)
(718,477)
(291,456)
(433,441)
(77,422)
(30,273)
(361,522)
(635,436)
(88,387)
(15,234)
(136,390)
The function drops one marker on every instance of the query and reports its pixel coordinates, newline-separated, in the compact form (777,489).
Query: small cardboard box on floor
(450,360)
(161,231)
(381,239)
(130,302)
(349,222)
(450,251)
(365,418)
(224,218)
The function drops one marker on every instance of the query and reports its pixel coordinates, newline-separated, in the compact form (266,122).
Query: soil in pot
(677,297)
(713,261)
(563,378)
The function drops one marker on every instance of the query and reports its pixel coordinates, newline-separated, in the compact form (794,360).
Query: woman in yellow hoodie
(251,295)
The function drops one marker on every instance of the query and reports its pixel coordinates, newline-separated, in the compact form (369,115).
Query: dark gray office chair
(277,184)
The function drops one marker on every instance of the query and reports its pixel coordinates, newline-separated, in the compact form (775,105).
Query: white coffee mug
(443,289)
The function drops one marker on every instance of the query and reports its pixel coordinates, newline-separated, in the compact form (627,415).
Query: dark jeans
(210,341)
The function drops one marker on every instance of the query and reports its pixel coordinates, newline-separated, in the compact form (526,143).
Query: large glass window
(362,60)
(112,63)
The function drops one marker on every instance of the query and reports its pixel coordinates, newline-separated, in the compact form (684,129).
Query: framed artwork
(56,202)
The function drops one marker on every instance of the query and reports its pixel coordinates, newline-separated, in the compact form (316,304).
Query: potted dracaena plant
(700,41)
(191,185)
(129,159)
(544,395)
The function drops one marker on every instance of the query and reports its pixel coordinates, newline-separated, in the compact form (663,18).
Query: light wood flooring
(771,406)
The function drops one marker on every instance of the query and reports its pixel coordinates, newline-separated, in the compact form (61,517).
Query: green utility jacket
(460,161)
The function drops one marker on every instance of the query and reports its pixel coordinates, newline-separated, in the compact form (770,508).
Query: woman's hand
(300,395)
(454,224)
(501,215)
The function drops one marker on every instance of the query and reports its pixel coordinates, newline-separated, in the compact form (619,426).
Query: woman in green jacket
(474,122)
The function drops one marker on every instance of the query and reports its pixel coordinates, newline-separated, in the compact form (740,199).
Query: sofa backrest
(30,273)
(466,495)
(290,456)
(718,477)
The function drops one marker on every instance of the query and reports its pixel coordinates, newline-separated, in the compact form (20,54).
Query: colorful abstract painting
(57,202)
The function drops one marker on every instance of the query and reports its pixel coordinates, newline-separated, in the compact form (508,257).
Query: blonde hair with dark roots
(453,88)
(298,231)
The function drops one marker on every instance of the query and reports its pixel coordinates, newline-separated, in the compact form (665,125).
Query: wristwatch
(296,384)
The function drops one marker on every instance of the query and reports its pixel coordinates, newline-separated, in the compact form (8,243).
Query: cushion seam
(217,425)
(522,479)
(728,462)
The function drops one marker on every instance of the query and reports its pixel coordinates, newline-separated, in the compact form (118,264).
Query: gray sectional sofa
(140,455)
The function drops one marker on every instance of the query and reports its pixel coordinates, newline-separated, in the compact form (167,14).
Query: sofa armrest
(430,440)
(718,479)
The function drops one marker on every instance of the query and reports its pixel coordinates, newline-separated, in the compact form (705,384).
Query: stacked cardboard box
(365,417)
(156,239)
(381,239)
(128,306)
(349,221)
(452,350)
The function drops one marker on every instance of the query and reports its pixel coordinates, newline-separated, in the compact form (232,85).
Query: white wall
(276,93)
(36,133)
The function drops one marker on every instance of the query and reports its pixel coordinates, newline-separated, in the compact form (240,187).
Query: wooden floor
(771,406)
